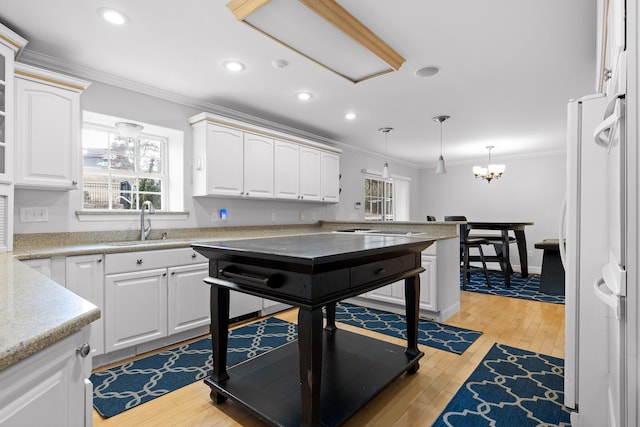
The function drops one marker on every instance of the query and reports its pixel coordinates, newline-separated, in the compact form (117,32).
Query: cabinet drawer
(146,260)
(380,270)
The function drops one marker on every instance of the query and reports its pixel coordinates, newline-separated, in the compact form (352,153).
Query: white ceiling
(507,68)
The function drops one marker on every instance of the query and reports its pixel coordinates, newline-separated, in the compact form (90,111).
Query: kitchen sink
(382,232)
(147,242)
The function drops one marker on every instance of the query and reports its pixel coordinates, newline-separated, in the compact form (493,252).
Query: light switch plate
(34,214)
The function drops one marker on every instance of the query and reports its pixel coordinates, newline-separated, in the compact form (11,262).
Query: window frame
(174,172)
(135,174)
(387,213)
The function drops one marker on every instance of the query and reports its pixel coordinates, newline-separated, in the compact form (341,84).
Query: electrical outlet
(301,215)
(215,216)
(34,214)
(273,216)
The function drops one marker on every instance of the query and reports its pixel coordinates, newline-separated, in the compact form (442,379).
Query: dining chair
(467,242)
(498,246)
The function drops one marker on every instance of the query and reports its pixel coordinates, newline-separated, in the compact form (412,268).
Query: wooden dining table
(504,227)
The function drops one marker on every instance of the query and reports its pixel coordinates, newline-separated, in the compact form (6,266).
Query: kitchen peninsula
(339,371)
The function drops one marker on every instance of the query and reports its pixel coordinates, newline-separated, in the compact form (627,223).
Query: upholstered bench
(552,277)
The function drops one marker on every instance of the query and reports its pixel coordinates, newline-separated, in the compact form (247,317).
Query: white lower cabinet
(49,388)
(53,268)
(188,298)
(136,308)
(439,285)
(85,278)
(394,293)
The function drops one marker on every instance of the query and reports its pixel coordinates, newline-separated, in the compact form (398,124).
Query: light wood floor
(412,400)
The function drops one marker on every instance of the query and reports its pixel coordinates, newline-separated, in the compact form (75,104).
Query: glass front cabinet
(11,44)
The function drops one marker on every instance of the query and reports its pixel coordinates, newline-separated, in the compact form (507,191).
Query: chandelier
(490,172)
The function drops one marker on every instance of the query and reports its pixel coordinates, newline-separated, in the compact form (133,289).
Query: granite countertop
(35,312)
(46,245)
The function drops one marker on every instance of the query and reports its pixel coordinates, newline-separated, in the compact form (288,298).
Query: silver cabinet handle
(139,261)
(193,255)
(84,349)
(99,260)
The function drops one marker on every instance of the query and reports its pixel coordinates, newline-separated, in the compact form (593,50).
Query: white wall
(531,189)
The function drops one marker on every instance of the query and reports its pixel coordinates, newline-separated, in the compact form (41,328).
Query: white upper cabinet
(230,162)
(287,170)
(232,159)
(330,177)
(10,44)
(218,157)
(48,126)
(310,181)
(258,166)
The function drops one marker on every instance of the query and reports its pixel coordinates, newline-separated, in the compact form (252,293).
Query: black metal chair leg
(484,266)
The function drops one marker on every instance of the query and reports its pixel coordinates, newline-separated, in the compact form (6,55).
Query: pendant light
(440,168)
(385,169)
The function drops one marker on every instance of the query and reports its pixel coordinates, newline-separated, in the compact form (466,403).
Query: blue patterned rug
(129,385)
(523,288)
(437,335)
(510,387)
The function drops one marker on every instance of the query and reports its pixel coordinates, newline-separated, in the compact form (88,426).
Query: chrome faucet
(144,232)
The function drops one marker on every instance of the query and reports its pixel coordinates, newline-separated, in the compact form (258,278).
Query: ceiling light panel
(327,35)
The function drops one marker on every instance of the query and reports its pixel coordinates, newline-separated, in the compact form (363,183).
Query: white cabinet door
(287,170)
(53,268)
(428,283)
(6,111)
(258,166)
(330,175)
(48,131)
(188,297)
(310,160)
(6,217)
(222,162)
(136,308)
(85,277)
(49,388)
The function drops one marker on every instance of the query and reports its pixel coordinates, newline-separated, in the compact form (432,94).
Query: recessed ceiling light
(279,63)
(427,71)
(113,16)
(350,116)
(304,96)
(233,65)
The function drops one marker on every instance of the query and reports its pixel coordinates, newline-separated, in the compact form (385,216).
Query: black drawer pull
(380,270)
(248,279)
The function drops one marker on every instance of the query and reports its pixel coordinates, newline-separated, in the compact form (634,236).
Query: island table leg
(310,351)
(219,306)
(412,299)
(331,317)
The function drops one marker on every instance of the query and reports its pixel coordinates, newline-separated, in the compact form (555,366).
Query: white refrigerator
(594,229)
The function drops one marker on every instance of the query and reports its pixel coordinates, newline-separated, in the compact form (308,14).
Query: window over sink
(121,173)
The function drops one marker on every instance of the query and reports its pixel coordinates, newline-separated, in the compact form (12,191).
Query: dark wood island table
(330,373)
